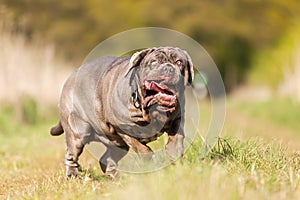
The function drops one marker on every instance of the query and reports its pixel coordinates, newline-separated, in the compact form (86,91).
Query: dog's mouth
(156,93)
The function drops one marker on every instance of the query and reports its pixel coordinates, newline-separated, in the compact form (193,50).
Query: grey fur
(96,105)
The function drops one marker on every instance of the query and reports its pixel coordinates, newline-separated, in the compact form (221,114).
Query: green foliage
(29,110)
(7,121)
(11,116)
(276,60)
(231,30)
(24,114)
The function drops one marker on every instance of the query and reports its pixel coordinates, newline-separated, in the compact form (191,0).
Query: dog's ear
(188,70)
(136,59)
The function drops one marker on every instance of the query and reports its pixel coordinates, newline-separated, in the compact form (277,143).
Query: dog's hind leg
(75,130)
(74,150)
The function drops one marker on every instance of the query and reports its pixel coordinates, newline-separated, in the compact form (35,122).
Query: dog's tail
(57,130)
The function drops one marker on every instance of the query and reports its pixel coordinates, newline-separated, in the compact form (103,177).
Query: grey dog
(125,102)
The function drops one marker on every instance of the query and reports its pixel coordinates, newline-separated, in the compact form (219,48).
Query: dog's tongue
(162,96)
(154,86)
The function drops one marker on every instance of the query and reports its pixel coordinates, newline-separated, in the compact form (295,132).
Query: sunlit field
(255,168)
(256,156)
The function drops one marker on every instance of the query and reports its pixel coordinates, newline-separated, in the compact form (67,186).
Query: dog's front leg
(109,161)
(174,147)
(140,148)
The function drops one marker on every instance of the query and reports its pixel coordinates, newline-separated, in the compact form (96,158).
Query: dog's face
(162,73)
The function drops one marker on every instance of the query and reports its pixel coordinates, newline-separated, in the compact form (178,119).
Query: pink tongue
(154,86)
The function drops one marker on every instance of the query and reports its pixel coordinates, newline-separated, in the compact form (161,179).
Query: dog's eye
(179,63)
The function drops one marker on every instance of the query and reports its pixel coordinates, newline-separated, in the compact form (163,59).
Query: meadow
(256,156)
(245,163)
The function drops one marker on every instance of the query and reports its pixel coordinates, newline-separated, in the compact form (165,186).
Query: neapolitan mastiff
(125,102)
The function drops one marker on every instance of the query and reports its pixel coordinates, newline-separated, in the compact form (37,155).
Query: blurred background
(255,44)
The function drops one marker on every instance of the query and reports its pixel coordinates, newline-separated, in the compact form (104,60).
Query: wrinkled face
(163,72)
(163,66)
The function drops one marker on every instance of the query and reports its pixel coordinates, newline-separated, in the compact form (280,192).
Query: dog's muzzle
(160,94)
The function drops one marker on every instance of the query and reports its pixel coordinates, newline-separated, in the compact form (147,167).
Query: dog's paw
(72,172)
(112,174)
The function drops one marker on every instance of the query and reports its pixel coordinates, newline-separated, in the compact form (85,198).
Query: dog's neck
(135,93)
(137,113)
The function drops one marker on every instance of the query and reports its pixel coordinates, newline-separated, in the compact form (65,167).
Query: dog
(125,102)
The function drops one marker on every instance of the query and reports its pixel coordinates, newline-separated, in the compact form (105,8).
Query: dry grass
(31,161)
(32,168)
(30,69)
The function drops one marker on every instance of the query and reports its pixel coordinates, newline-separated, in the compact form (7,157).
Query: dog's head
(161,75)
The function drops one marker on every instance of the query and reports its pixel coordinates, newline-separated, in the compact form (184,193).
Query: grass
(284,112)
(31,163)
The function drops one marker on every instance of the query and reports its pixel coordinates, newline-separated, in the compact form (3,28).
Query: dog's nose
(168,70)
